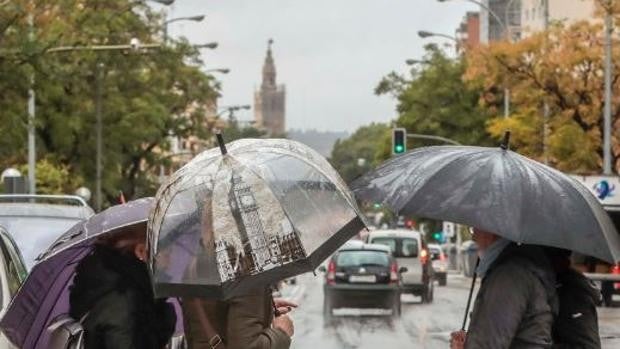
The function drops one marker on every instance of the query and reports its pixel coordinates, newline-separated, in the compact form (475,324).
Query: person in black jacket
(112,293)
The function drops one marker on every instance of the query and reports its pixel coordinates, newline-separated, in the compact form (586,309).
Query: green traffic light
(399,149)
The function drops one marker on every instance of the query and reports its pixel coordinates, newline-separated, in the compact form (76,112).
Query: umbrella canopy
(45,293)
(245,215)
(496,190)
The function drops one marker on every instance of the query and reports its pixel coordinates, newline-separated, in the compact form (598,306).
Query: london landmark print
(261,242)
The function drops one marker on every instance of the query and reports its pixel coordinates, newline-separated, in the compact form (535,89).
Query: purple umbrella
(45,293)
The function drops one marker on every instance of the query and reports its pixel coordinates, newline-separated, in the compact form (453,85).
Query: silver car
(12,274)
(408,248)
(36,221)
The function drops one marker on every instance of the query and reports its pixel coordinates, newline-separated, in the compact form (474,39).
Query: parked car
(12,274)
(361,275)
(408,249)
(439,261)
(36,221)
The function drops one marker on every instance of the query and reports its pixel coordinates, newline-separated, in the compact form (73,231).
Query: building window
(534,13)
(527,14)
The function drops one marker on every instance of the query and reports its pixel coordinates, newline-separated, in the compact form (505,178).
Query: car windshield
(401,247)
(362,258)
(33,235)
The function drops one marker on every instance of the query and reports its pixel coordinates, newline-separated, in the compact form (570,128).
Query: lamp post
(197,18)
(32,159)
(609,28)
(507,36)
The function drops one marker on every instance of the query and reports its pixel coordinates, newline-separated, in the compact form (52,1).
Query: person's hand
(284,306)
(284,323)
(457,339)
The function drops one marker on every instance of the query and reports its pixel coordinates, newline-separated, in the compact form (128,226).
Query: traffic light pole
(435,138)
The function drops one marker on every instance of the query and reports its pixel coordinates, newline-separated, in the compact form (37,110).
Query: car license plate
(362,278)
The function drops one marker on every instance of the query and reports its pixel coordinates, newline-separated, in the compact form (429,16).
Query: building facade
(468,33)
(502,22)
(534,12)
(269,100)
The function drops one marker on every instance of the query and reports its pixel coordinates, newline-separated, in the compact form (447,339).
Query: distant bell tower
(269,100)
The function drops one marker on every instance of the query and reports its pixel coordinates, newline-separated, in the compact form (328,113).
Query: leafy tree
(147,95)
(435,100)
(562,69)
(363,144)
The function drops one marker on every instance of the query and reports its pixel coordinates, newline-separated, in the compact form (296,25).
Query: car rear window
(401,247)
(362,258)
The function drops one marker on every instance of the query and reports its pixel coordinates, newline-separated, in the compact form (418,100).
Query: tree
(561,68)
(147,95)
(435,100)
(364,144)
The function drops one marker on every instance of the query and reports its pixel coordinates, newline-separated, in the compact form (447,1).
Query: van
(410,252)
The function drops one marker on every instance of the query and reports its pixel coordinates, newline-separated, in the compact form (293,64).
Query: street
(421,325)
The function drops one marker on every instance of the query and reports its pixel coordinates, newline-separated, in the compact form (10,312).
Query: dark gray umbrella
(496,190)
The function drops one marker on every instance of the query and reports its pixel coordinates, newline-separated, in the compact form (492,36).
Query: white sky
(330,54)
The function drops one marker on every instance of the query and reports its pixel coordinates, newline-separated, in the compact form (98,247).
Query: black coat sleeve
(111,324)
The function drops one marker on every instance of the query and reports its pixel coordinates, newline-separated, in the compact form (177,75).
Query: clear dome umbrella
(248,214)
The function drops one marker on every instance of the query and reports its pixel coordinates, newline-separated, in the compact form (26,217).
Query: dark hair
(124,240)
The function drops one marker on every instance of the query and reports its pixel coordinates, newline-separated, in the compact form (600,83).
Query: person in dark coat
(517,302)
(576,325)
(112,293)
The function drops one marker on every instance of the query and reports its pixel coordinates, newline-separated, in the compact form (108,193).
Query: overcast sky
(330,54)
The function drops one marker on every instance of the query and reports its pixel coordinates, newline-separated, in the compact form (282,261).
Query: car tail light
(331,273)
(394,273)
(424,256)
(616,270)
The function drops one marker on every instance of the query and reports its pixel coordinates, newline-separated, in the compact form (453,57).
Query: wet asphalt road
(420,326)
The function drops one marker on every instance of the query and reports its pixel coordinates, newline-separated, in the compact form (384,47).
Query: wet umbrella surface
(247,215)
(496,190)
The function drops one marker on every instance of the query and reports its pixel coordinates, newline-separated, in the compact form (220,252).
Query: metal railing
(69,199)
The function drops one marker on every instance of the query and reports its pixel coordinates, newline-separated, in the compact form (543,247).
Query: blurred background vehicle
(362,275)
(408,249)
(36,221)
(439,262)
(12,274)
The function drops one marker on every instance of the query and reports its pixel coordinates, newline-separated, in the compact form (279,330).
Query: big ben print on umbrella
(246,215)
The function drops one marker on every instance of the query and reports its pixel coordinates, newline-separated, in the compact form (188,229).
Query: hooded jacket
(113,292)
(517,302)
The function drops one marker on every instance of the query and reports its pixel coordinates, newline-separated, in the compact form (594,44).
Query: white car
(36,221)
(439,262)
(12,274)
(408,248)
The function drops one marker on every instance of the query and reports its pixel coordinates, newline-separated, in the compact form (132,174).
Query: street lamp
(209,45)
(505,29)
(491,12)
(426,34)
(218,70)
(416,61)
(197,18)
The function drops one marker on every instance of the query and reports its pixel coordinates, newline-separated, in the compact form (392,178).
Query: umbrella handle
(471,292)
(220,142)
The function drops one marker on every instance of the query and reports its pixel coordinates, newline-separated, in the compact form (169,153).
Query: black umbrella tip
(506,141)
(220,142)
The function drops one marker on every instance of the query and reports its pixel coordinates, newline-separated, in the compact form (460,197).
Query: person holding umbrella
(505,196)
(112,294)
(517,301)
(234,221)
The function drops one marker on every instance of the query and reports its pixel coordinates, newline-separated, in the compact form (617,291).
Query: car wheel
(443,281)
(431,293)
(327,311)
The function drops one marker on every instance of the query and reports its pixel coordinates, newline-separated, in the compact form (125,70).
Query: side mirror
(402,270)
(322,269)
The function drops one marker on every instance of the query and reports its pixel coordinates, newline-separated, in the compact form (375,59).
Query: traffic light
(438,236)
(399,141)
